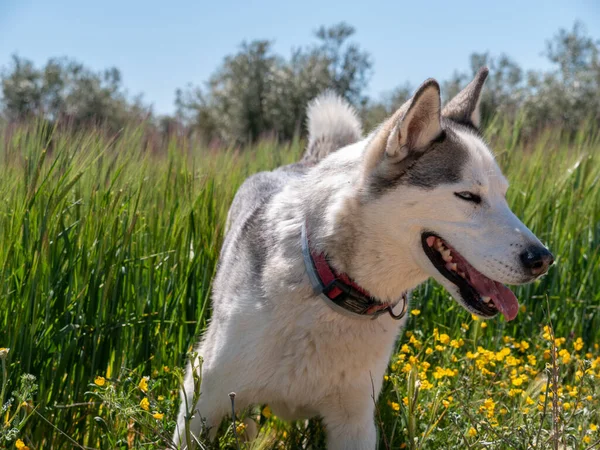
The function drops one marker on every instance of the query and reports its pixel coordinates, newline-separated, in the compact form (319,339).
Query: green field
(108,245)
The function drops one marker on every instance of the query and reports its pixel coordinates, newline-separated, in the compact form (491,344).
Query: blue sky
(160,46)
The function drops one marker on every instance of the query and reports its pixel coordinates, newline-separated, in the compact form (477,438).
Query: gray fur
(440,163)
(464,108)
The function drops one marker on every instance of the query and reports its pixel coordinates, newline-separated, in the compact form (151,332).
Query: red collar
(339,290)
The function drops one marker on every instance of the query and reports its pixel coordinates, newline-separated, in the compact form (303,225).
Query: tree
(65,89)
(255,92)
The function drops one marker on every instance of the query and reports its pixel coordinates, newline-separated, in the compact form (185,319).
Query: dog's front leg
(351,426)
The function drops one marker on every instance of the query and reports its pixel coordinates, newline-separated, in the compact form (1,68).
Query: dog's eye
(468,196)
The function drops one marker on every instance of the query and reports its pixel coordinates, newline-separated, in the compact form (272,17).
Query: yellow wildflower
(518,380)
(440,372)
(565,355)
(573,392)
(514,392)
(21,445)
(158,416)
(414,341)
(472,432)
(578,344)
(428,351)
(161,398)
(566,406)
(589,398)
(405,349)
(439,348)
(593,427)
(502,354)
(524,346)
(266,412)
(474,317)
(587,439)
(425,385)
(395,406)
(457,343)
(488,406)
(483,324)
(143,385)
(415,312)
(444,338)
(405,401)
(145,404)
(166,369)
(511,361)
(464,326)
(447,401)
(3,354)
(240,428)
(100,381)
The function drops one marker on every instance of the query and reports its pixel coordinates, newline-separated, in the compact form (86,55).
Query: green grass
(108,247)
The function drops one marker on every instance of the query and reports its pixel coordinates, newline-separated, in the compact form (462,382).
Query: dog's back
(332,124)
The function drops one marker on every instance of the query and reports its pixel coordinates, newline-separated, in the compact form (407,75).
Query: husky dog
(319,257)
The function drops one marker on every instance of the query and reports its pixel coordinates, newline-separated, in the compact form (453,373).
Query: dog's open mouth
(479,292)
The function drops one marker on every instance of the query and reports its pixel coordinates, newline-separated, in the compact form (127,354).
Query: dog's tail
(332,124)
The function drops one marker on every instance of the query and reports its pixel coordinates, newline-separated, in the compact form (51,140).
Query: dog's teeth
(446,255)
(486,299)
(451,266)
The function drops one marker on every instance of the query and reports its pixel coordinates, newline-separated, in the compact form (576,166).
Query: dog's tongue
(503,298)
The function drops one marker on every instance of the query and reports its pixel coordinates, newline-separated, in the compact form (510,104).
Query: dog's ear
(464,107)
(416,128)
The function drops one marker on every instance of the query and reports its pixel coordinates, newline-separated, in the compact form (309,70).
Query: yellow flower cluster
(20,445)
(512,370)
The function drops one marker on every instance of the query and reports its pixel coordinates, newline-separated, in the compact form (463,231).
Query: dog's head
(443,200)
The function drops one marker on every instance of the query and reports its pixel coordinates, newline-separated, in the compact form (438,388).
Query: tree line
(256,92)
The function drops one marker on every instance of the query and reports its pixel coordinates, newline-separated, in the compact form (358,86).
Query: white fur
(330,115)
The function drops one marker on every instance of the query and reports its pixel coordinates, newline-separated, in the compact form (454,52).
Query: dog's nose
(537,260)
